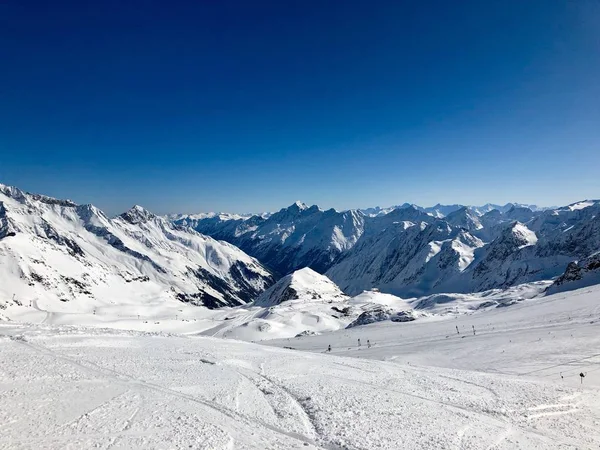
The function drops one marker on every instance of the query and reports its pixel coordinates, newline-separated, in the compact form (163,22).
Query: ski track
(445,392)
(122,378)
(306,418)
(488,416)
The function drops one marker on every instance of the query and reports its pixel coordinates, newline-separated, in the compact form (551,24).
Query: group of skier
(359,345)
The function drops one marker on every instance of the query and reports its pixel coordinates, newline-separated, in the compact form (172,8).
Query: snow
(304,302)
(304,284)
(74,259)
(455,303)
(581,205)
(525,234)
(420,385)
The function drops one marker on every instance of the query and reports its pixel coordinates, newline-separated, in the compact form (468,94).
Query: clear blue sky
(250,105)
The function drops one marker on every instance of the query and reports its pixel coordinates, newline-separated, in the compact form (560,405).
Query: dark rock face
(380,315)
(578,274)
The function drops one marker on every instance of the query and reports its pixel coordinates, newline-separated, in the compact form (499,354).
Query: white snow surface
(301,303)
(525,234)
(419,386)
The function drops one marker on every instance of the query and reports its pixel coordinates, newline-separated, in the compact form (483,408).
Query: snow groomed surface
(72,387)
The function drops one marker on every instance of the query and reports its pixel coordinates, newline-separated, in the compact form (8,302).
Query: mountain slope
(579,274)
(407,259)
(75,256)
(292,238)
(304,284)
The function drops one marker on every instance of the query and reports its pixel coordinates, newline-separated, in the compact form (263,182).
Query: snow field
(68,387)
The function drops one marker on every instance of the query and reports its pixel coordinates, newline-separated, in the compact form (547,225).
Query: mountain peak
(298,206)
(303,284)
(137,214)
(519,235)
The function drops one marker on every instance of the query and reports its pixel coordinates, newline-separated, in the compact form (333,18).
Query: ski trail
(490,417)
(222,410)
(75,422)
(126,427)
(471,383)
(303,414)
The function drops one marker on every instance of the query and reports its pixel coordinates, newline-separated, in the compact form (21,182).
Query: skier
(368,343)
(329,348)
(457,332)
(359,342)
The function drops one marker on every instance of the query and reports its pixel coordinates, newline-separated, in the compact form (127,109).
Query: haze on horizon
(246,107)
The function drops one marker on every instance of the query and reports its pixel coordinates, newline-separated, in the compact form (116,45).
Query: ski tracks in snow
(127,381)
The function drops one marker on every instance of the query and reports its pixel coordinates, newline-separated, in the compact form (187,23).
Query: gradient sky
(249,105)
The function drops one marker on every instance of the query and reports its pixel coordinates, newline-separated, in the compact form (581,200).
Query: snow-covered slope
(513,385)
(305,302)
(299,285)
(75,258)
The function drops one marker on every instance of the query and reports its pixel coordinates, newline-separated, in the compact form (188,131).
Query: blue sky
(248,106)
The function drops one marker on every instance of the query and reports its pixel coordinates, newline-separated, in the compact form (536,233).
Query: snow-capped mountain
(305,303)
(439,211)
(410,251)
(301,284)
(463,254)
(406,258)
(466,218)
(294,237)
(74,254)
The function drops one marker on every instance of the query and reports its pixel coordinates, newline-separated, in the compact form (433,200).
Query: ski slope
(537,339)
(513,384)
(69,387)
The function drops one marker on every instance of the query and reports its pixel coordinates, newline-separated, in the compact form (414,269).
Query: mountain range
(412,251)
(59,250)
(67,252)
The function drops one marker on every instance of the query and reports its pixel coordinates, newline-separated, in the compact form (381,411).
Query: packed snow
(514,384)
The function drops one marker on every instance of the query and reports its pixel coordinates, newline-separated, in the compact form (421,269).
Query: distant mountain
(79,259)
(440,211)
(466,253)
(407,259)
(69,253)
(413,251)
(465,218)
(294,237)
